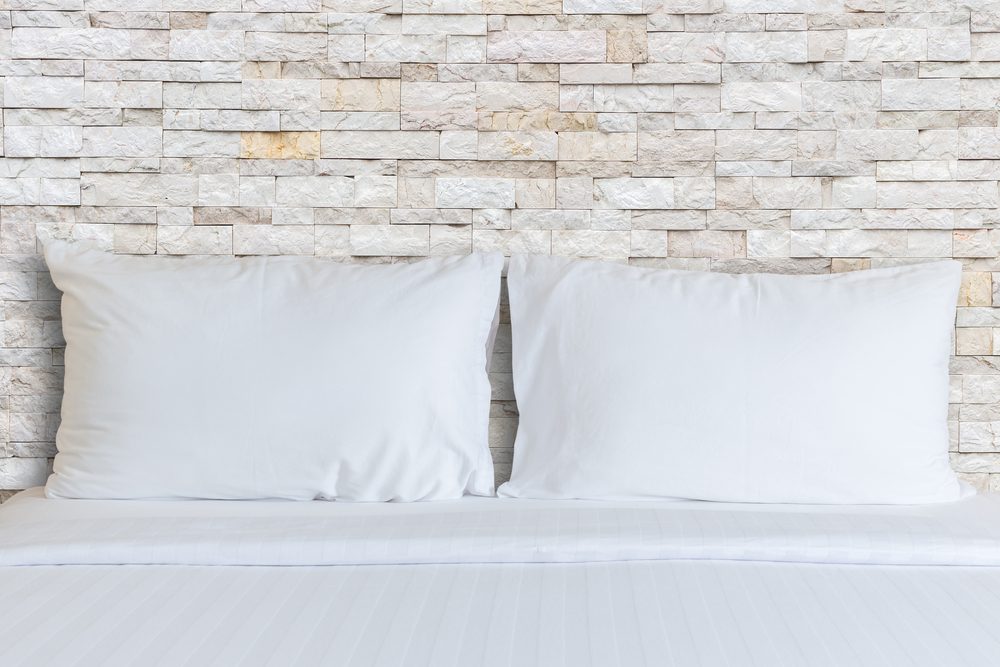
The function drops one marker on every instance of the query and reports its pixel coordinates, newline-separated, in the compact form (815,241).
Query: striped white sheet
(492,582)
(602,614)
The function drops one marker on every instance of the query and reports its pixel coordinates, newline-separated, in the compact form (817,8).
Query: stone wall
(799,136)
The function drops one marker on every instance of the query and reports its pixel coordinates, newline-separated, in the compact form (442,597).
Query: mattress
(497,582)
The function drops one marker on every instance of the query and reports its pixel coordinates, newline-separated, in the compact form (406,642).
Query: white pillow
(275,377)
(635,383)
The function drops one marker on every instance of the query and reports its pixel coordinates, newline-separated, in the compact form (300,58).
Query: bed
(489,581)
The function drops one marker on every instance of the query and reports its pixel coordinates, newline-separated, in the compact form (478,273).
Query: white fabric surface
(282,377)
(36,530)
(631,614)
(636,382)
(463,609)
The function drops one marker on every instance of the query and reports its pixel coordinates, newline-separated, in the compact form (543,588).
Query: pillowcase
(640,383)
(273,377)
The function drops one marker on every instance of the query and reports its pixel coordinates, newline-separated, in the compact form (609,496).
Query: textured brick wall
(800,136)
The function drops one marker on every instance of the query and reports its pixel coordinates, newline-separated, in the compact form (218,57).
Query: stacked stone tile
(800,136)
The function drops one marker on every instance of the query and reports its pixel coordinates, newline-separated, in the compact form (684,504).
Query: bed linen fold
(35,530)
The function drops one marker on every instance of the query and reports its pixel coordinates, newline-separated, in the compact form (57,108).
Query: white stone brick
(122,141)
(218,189)
(537,145)
(361,94)
(67,43)
(182,240)
(206,44)
(42,141)
(771,96)
(382,144)
(505,96)
(285,46)
(677,145)
(193,143)
(840,95)
(23,473)
(298,94)
(633,98)
(887,44)
(372,191)
(980,389)
(474,192)
(768,243)
(406,48)
(237,120)
(124,94)
(686,47)
(980,93)
(854,192)
(535,193)
(548,46)
(314,191)
(633,193)
(755,47)
(271,240)
(784,6)
(443,24)
(707,243)
(912,95)
(979,436)
(345,48)
(877,144)
(591,243)
(595,73)
(788,192)
(549,219)
(957,194)
(677,73)
(462,49)
(139,190)
(359,120)
(848,243)
(459,145)
(756,144)
(532,241)
(438,106)
(597,146)
(603,6)
(42,92)
(949,44)
(258,191)
(399,240)
(202,95)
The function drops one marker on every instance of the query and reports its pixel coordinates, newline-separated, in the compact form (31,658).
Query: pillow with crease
(273,377)
(643,383)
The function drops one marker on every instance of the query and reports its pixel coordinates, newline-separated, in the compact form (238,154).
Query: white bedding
(497,582)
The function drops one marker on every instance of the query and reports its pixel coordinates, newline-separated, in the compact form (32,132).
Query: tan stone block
(627,46)
(974,341)
(977,289)
(227,215)
(538,120)
(280,145)
(708,243)
(537,72)
(843,265)
(360,94)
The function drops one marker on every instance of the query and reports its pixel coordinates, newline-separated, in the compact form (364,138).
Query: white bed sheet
(497,582)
